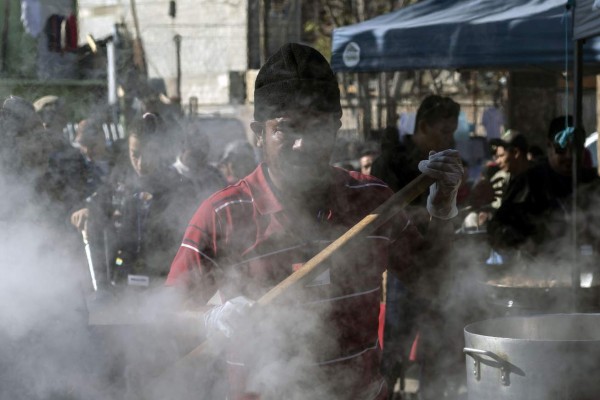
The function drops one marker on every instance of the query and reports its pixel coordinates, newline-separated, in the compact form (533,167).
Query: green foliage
(320,17)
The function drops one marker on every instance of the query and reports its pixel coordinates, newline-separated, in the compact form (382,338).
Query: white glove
(225,319)
(446,168)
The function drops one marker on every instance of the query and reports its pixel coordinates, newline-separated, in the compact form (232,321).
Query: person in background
(238,160)
(536,210)
(406,304)
(133,219)
(192,163)
(77,171)
(24,144)
(321,342)
(24,150)
(510,155)
(366,161)
(53,114)
(435,124)
(91,142)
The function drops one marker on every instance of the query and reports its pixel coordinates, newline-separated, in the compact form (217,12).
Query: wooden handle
(318,264)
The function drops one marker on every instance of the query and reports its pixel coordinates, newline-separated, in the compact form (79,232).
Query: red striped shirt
(243,241)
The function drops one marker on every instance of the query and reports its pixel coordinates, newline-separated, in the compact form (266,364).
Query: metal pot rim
(473,328)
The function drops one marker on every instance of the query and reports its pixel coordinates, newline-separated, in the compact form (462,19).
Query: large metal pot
(545,357)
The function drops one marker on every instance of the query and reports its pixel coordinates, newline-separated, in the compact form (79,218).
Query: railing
(112,132)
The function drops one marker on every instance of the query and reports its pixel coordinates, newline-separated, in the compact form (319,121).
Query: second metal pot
(545,357)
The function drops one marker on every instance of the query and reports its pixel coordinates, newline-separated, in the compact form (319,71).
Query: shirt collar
(266,200)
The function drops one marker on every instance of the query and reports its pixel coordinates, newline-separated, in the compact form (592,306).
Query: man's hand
(225,319)
(446,168)
(79,219)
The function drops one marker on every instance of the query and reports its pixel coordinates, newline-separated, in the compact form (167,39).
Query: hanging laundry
(70,33)
(53,32)
(61,33)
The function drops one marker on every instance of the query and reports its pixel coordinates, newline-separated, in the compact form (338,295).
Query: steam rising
(59,340)
(52,351)
(46,349)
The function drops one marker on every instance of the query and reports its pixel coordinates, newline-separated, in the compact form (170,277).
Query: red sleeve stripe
(222,206)
(379,237)
(346,296)
(364,185)
(332,361)
(268,254)
(351,356)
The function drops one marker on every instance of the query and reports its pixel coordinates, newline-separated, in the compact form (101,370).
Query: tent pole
(577,154)
(380,100)
(392,103)
(475,96)
(578,83)
(5,32)
(365,104)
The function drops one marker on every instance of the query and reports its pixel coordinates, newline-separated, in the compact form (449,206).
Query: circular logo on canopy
(351,55)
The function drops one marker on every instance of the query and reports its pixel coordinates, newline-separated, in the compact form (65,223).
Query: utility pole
(138,48)
(177,40)
(263,30)
(5,36)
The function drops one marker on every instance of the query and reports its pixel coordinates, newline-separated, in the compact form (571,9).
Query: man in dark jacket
(133,218)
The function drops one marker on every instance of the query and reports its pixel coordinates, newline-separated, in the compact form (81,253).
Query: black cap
(510,138)
(295,78)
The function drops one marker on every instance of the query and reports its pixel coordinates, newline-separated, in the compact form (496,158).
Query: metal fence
(112,132)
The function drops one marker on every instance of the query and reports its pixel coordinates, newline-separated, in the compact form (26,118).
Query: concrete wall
(214,42)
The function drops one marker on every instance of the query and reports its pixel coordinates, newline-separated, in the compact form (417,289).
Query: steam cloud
(47,350)
(59,340)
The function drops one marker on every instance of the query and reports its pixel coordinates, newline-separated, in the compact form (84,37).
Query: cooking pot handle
(504,372)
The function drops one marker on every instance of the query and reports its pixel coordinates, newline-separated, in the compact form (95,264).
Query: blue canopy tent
(453,34)
(587,19)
